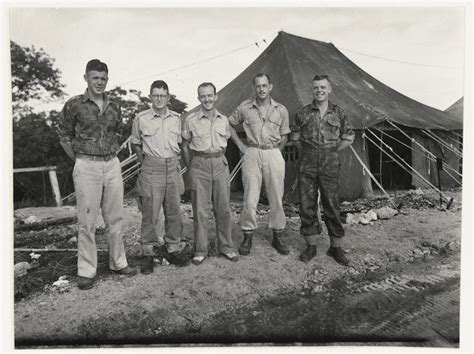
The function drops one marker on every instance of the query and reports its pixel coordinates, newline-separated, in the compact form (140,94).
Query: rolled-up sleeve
(236,117)
(296,128)
(185,132)
(66,125)
(135,138)
(285,123)
(347,131)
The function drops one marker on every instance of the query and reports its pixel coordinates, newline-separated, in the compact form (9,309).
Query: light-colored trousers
(98,184)
(210,180)
(269,166)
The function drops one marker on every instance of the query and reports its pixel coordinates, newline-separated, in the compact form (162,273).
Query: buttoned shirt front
(205,133)
(159,135)
(89,129)
(260,129)
(326,131)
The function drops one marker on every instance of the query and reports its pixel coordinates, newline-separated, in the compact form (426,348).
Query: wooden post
(55,187)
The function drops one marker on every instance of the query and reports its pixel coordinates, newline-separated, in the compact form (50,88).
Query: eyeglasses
(159,97)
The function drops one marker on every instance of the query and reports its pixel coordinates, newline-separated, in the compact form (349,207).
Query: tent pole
(431,156)
(417,173)
(371,175)
(442,142)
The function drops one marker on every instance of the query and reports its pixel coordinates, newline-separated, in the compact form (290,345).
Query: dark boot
(308,253)
(338,254)
(246,245)
(278,243)
(147,266)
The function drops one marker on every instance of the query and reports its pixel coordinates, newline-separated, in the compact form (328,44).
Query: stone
(385,213)
(20,269)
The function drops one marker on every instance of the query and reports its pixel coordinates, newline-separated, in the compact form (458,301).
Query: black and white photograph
(250,175)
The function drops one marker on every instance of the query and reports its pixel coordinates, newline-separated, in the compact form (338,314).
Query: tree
(33,77)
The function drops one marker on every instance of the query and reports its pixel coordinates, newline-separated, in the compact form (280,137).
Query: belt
(163,159)
(208,154)
(107,157)
(262,147)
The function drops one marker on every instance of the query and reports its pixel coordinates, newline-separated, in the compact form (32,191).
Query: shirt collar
(330,106)
(272,102)
(154,114)
(203,114)
(86,97)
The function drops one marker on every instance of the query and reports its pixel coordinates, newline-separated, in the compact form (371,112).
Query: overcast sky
(138,44)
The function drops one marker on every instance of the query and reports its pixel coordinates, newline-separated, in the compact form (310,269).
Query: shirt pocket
(272,128)
(221,137)
(148,130)
(174,138)
(331,128)
(201,138)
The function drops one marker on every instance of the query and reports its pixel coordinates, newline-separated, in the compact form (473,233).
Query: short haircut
(96,65)
(321,77)
(205,84)
(159,84)
(262,75)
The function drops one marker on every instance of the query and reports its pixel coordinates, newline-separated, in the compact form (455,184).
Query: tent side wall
(353,182)
(427,168)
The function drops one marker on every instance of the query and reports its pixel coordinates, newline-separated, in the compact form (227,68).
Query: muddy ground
(409,260)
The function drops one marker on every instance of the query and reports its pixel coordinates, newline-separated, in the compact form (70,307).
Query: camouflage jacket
(89,130)
(310,128)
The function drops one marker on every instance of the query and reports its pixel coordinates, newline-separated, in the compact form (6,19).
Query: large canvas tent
(291,62)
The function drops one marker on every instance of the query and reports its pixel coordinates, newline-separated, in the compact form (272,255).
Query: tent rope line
(411,139)
(432,158)
(414,170)
(364,167)
(442,142)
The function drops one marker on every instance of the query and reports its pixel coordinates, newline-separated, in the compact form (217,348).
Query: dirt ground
(174,299)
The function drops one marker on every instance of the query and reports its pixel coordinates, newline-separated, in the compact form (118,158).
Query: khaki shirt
(206,134)
(158,135)
(326,131)
(262,130)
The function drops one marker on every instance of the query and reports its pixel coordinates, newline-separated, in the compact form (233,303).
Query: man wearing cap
(320,130)
(89,127)
(266,126)
(156,135)
(205,134)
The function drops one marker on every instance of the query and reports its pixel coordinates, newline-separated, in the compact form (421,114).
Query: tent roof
(457,108)
(292,61)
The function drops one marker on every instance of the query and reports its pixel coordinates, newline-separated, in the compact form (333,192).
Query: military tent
(292,61)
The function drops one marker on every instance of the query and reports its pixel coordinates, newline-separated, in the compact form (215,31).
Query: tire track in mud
(429,305)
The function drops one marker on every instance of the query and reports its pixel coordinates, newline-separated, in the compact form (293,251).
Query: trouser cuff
(147,250)
(310,240)
(336,241)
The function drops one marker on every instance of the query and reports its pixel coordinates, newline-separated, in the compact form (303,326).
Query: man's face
(207,97)
(96,81)
(262,87)
(159,98)
(321,90)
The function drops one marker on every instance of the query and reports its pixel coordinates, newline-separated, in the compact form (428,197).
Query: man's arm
(235,137)
(283,141)
(138,151)
(347,133)
(344,144)
(186,152)
(66,131)
(67,146)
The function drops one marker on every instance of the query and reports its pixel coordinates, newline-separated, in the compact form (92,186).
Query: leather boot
(278,243)
(246,245)
(308,253)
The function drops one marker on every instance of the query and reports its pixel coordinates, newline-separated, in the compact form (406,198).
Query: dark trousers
(319,173)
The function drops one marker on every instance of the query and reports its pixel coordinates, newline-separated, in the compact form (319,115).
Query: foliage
(33,77)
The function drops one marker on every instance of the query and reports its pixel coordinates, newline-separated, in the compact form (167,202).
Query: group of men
(89,130)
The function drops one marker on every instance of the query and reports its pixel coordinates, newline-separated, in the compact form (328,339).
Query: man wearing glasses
(156,135)
(319,131)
